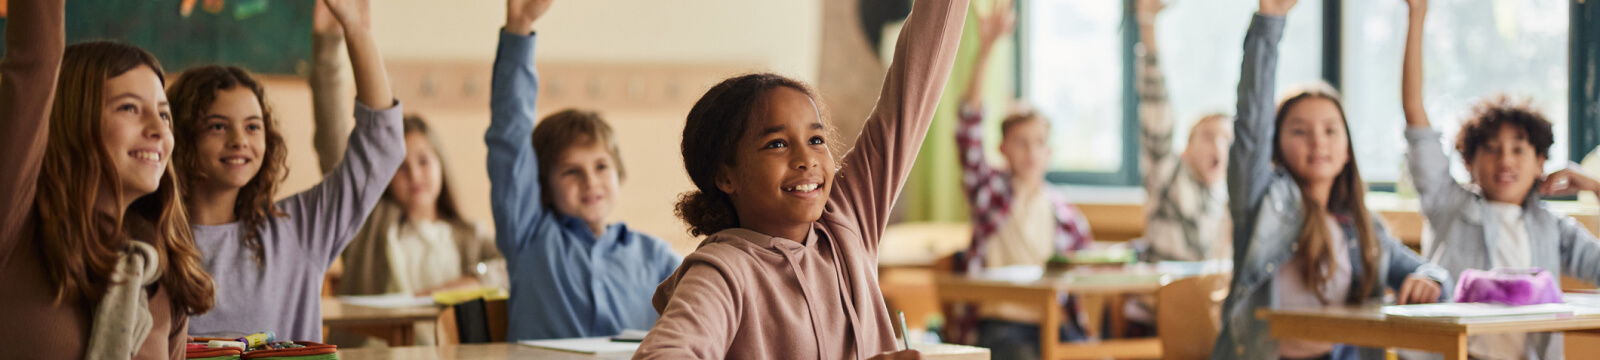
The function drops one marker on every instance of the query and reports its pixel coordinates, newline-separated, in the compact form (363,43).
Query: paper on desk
(1479,312)
(387,300)
(594,346)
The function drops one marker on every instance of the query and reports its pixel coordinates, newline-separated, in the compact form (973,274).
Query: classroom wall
(591,54)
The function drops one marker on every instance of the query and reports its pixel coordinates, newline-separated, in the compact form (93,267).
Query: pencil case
(1508,286)
(308,351)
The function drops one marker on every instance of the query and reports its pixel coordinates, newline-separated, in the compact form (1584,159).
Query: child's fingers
(1404,296)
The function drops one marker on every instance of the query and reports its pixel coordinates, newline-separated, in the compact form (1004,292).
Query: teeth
(146,155)
(234,161)
(803,188)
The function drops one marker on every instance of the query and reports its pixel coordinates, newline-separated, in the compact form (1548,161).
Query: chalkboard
(265,36)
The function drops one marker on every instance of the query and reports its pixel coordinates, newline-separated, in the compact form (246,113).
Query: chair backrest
(472,322)
(1189,314)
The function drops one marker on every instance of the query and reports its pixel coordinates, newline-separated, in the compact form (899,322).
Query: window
(1472,49)
(1075,69)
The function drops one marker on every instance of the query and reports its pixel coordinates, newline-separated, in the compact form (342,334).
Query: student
(1302,235)
(1017,217)
(268,258)
(1186,216)
(95,256)
(572,275)
(788,268)
(416,241)
(1504,224)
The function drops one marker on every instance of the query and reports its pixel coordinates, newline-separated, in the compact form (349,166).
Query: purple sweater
(284,294)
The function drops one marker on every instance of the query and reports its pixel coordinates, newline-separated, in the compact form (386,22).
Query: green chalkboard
(265,36)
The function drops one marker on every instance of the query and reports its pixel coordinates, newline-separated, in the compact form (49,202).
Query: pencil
(904,336)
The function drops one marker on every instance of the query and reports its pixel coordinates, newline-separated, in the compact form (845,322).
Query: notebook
(1470,313)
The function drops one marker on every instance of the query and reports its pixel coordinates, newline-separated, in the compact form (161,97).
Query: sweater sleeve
(1442,197)
(327,216)
(698,321)
(1250,158)
(1580,252)
(35,39)
(514,179)
(873,172)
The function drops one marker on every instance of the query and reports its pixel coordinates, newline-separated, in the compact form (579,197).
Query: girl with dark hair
(268,257)
(95,251)
(789,265)
(1302,235)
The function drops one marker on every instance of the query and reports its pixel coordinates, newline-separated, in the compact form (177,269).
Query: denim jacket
(1267,214)
(1466,235)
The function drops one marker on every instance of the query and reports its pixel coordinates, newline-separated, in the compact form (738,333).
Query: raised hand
(353,14)
(999,22)
(1277,7)
(1147,9)
(520,14)
(1568,181)
(372,81)
(1418,7)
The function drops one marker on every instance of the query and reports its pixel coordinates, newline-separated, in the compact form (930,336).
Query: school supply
(1507,287)
(229,349)
(1472,313)
(904,335)
(632,336)
(598,346)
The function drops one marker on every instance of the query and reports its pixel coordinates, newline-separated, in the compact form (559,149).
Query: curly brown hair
(1496,112)
(192,95)
(710,136)
(80,244)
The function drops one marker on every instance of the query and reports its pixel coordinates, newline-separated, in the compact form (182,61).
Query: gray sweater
(283,295)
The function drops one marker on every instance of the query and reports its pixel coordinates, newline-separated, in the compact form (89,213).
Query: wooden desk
(395,325)
(1097,287)
(1369,327)
(499,351)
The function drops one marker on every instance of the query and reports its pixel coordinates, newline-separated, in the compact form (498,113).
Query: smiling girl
(96,258)
(1302,234)
(789,265)
(268,257)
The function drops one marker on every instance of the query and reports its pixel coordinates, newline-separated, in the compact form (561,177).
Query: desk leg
(1460,349)
(1050,329)
(1119,320)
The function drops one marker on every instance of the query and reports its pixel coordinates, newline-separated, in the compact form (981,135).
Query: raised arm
(35,39)
(1155,119)
(329,80)
(875,170)
(1411,68)
(330,213)
(1250,164)
(514,179)
(977,175)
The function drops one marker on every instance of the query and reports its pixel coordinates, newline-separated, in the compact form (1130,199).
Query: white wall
(783,36)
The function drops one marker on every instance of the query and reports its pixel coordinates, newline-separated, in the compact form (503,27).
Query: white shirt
(1026,238)
(1514,251)
(1293,292)
(423,255)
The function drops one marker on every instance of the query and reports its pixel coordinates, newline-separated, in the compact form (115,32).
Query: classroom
(829,179)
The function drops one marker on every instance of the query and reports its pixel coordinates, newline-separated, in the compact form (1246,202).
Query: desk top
(1132,278)
(337,313)
(1372,316)
(498,351)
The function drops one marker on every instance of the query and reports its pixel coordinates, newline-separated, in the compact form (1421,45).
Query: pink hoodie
(746,295)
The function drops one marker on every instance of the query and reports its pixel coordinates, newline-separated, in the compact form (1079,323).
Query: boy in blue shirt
(572,275)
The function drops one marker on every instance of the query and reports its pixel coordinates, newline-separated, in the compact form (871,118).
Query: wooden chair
(1189,314)
(492,320)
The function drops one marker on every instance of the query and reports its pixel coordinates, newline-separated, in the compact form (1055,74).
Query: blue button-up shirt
(565,282)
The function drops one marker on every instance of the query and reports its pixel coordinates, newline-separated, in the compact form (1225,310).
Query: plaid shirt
(1185,220)
(990,196)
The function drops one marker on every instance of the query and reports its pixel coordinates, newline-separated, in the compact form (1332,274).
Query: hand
(1418,290)
(1568,181)
(520,14)
(999,22)
(1276,7)
(899,355)
(1418,7)
(354,14)
(1147,9)
(322,20)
